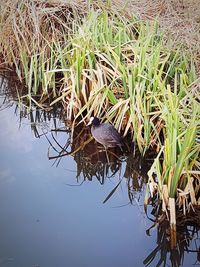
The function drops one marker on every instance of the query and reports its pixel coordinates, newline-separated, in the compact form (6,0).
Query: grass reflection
(188,241)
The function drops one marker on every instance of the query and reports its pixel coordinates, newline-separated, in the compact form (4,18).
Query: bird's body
(105,133)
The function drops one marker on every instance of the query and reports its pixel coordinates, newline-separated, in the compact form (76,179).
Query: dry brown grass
(179,19)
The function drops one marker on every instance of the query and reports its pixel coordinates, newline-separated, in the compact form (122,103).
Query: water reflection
(187,241)
(93,164)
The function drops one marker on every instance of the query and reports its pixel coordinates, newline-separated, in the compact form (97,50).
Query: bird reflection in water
(93,162)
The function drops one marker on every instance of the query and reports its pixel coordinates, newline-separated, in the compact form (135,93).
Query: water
(54,216)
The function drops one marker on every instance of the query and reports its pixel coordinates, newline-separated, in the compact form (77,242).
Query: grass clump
(95,60)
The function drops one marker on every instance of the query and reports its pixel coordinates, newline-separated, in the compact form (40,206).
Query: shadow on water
(93,164)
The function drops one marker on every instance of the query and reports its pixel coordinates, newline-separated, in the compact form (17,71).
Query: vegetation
(95,60)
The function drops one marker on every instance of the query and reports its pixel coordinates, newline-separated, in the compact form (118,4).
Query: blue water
(47,222)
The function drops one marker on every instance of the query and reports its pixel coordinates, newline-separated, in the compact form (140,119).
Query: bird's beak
(90,121)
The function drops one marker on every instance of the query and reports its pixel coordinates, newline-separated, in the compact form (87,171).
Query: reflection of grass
(118,68)
(92,162)
(187,240)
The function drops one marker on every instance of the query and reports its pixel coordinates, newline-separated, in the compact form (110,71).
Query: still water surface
(46,220)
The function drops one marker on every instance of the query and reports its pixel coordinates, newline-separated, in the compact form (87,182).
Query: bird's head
(94,121)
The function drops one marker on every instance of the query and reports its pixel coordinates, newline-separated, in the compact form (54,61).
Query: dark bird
(105,133)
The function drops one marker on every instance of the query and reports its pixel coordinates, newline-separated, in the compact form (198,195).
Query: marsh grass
(96,61)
